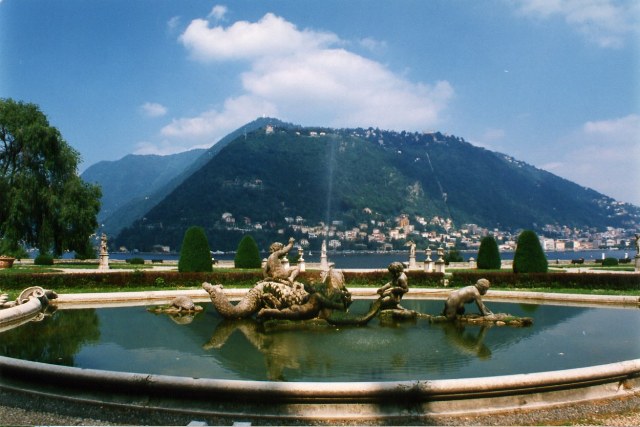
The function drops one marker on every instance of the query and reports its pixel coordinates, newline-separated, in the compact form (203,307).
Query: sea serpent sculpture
(281,299)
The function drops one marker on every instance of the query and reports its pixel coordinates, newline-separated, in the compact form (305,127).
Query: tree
(195,254)
(43,202)
(488,254)
(453,256)
(248,254)
(529,256)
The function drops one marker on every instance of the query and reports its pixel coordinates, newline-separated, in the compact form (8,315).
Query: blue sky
(554,83)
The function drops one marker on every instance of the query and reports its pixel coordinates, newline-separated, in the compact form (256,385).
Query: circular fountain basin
(393,397)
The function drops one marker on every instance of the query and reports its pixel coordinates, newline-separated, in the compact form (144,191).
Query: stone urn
(6,261)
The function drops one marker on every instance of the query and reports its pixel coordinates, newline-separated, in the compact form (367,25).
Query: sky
(554,83)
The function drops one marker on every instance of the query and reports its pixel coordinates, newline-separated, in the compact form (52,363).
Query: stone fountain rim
(333,400)
(106,299)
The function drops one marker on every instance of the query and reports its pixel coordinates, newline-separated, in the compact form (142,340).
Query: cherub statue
(392,292)
(454,305)
(274,268)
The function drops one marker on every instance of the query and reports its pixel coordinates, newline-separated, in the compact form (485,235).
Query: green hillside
(264,181)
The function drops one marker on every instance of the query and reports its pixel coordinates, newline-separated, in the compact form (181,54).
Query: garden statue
(454,305)
(412,255)
(392,292)
(104,254)
(274,269)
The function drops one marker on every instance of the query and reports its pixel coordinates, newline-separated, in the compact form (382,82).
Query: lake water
(382,260)
(132,339)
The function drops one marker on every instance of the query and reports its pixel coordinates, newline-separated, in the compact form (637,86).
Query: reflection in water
(134,340)
(467,342)
(55,339)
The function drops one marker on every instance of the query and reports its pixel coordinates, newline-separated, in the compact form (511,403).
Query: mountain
(134,184)
(135,177)
(270,179)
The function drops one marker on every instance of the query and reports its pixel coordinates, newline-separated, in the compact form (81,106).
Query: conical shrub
(247,254)
(195,254)
(488,254)
(529,256)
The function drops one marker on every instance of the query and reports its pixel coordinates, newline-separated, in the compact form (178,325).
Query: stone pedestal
(104,261)
(324,263)
(412,262)
(637,261)
(440,264)
(428,262)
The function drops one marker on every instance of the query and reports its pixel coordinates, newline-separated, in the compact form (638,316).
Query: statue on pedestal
(104,255)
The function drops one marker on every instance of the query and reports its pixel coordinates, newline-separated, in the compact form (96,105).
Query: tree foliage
(248,254)
(488,254)
(453,256)
(43,201)
(529,256)
(195,254)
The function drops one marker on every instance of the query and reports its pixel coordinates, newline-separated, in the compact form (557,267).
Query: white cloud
(306,77)
(373,45)
(218,12)
(173,23)
(153,109)
(271,36)
(604,148)
(212,125)
(605,22)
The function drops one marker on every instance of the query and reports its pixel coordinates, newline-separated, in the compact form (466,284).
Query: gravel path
(17,409)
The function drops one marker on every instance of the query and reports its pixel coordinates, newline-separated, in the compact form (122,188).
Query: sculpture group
(279,296)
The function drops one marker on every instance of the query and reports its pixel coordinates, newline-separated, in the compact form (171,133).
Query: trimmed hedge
(610,281)
(246,279)
(151,279)
(43,259)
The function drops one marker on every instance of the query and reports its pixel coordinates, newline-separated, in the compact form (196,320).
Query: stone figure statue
(274,269)
(454,305)
(637,244)
(392,292)
(103,244)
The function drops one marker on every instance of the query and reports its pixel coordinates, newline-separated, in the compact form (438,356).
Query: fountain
(281,317)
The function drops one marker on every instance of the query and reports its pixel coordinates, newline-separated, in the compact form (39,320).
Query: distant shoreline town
(380,236)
